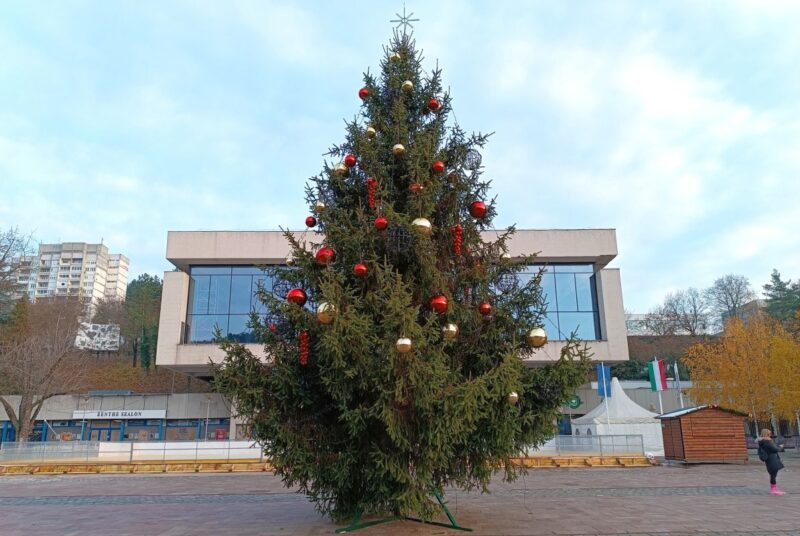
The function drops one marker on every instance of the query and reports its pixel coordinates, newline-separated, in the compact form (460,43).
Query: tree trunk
(25,422)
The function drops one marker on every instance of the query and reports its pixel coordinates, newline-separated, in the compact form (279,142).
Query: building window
(570,291)
(223,297)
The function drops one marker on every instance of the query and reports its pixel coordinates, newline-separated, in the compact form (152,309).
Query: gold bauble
(450,331)
(513,398)
(407,86)
(403,345)
(398,149)
(506,256)
(537,337)
(394,58)
(325,312)
(371,132)
(341,170)
(319,207)
(422,225)
(290,260)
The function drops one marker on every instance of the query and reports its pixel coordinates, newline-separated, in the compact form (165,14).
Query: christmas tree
(397,332)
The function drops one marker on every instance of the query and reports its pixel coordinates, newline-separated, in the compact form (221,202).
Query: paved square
(709,499)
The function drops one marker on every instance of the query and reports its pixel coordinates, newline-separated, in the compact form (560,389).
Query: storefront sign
(119,414)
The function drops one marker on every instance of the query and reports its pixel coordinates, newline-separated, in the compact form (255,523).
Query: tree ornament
(273,328)
(381,223)
(467,298)
(458,232)
(537,337)
(290,260)
(302,341)
(363,93)
(325,256)
(485,308)
(513,398)
(434,105)
(297,296)
(477,209)
(422,225)
(394,58)
(360,270)
(506,256)
(399,240)
(473,160)
(403,345)
(311,221)
(341,170)
(372,188)
(450,331)
(416,187)
(398,149)
(506,282)
(438,166)
(371,132)
(407,86)
(325,312)
(319,207)
(350,160)
(439,304)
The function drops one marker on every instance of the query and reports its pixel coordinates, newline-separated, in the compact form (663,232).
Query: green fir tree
(362,426)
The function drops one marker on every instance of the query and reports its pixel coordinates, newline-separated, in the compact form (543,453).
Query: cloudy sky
(676,123)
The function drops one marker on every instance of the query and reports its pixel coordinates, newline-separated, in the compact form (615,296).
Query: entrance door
(100,434)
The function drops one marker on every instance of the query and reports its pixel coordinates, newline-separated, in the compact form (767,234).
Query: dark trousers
(773,477)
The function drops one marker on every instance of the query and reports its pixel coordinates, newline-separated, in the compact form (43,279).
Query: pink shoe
(773,490)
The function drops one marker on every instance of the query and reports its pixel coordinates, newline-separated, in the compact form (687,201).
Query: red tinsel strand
(372,187)
(466,295)
(457,236)
(303,340)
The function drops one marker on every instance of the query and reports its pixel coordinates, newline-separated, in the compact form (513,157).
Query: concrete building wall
(200,248)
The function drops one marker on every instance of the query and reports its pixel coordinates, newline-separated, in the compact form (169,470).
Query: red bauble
(311,221)
(381,223)
(439,304)
(438,166)
(484,308)
(297,296)
(350,160)
(363,93)
(273,328)
(325,256)
(416,187)
(434,104)
(477,209)
(360,270)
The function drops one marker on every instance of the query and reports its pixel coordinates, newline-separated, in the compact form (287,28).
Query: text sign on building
(121,414)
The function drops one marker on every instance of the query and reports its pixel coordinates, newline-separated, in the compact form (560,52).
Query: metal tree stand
(356,524)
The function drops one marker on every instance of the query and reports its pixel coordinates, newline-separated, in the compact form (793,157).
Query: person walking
(768,453)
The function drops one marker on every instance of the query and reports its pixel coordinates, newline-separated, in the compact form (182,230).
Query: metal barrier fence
(128,451)
(230,451)
(599,445)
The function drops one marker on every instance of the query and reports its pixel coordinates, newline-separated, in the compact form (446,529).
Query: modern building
(75,269)
(217,272)
(121,416)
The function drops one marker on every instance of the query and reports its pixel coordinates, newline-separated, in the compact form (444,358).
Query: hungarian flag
(658,375)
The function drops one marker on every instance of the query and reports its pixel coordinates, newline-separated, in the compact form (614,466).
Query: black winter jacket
(773,463)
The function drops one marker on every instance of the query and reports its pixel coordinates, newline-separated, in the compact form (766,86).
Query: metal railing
(598,445)
(129,451)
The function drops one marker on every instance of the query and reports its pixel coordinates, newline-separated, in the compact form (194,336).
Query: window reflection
(223,297)
(570,293)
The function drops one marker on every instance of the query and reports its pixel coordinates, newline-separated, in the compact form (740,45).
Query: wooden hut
(705,434)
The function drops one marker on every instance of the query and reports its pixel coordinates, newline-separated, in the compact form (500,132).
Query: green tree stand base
(356,524)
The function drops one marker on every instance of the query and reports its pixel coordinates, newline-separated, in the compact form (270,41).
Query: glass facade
(571,294)
(223,297)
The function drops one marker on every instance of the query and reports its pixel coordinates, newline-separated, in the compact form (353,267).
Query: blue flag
(603,380)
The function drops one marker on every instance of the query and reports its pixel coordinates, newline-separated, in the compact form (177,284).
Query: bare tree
(688,310)
(38,358)
(13,244)
(658,322)
(728,295)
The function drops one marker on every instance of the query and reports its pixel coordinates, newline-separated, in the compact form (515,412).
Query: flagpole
(678,384)
(660,404)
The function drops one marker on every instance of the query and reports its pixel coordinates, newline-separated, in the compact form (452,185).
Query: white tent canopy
(622,416)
